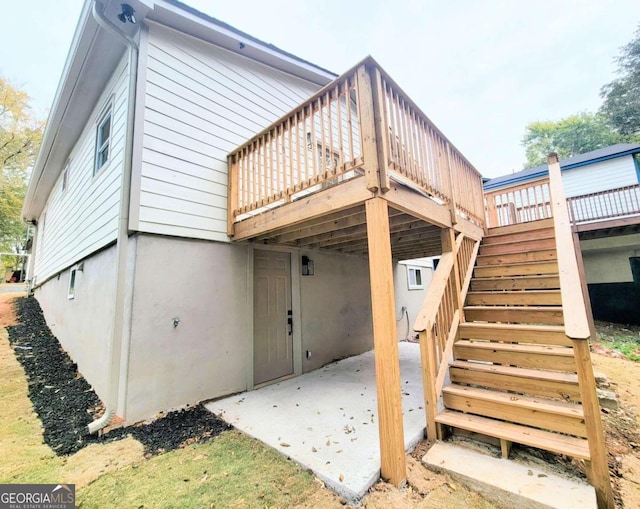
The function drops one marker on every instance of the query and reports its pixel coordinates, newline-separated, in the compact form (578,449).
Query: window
(65,177)
(103,137)
(414,276)
(72,285)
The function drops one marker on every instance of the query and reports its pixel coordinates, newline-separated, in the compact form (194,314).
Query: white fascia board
(175,17)
(80,45)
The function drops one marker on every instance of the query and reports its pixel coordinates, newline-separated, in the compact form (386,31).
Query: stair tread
(541,439)
(565,351)
(546,235)
(514,327)
(541,250)
(516,308)
(513,292)
(539,224)
(532,263)
(520,277)
(532,402)
(538,374)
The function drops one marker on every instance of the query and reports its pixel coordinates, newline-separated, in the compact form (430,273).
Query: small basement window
(414,277)
(72,284)
(103,138)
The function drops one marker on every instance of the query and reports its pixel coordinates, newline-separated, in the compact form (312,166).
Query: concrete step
(509,483)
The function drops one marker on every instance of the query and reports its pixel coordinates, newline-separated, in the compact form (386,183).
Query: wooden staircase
(514,374)
(504,333)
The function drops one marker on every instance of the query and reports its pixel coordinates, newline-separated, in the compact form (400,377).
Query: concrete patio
(327,420)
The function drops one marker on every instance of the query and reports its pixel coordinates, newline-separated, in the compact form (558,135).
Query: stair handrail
(576,322)
(440,316)
(577,328)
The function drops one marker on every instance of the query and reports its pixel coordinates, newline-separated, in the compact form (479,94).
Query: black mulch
(66,403)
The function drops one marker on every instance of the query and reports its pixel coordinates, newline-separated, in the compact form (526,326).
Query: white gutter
(118,343)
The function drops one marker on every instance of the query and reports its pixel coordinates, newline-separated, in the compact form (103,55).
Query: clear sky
(480,69)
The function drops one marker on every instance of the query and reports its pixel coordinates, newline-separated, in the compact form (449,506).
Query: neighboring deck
(304,180)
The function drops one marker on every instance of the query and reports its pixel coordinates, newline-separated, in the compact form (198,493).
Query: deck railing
(612,203)
(418,151)
(440,316)
(518,204)
(361,124)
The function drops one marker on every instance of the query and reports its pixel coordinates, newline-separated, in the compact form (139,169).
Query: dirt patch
(66,403)
(7,311)
(621,428)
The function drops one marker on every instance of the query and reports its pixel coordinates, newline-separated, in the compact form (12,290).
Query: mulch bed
(66,403)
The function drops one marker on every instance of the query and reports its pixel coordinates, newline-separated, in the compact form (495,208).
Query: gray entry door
(272,320)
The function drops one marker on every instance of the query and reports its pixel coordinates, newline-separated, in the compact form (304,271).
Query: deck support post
(387,363)
(598,467)
(232,192)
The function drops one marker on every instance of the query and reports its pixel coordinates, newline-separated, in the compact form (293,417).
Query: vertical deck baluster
(341,87)
(313,141)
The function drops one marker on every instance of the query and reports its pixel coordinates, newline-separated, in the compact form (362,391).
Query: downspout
(118,343)
(32,258)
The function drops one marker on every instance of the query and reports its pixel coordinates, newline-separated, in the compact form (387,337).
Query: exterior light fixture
(127,14)
(307,266)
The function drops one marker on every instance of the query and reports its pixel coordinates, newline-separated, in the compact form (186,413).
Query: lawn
(231,470)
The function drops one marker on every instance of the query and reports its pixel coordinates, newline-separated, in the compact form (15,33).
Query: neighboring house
(603,194)
(412,279)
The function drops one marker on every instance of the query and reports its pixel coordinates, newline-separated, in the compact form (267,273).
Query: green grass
(623,338)
(627,346)
(230,471)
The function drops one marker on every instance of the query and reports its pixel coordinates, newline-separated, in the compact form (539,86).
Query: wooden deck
(305,179)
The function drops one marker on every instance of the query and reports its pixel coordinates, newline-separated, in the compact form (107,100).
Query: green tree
(20,135)
(568,137)
(621,104)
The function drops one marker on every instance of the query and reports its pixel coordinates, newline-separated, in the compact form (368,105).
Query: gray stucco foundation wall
(203,285)
(336,309)
(206,285)
(83,324)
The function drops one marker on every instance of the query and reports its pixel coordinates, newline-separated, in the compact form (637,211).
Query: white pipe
(122,243)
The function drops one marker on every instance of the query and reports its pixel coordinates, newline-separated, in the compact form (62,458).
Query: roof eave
(181,17)
(80,45)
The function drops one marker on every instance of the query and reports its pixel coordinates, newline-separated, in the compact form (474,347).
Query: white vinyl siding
(84,218)
(201,102)
(602,176)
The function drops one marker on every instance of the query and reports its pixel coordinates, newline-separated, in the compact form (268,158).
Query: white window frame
(103,144)
(71,292)
(413,283)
